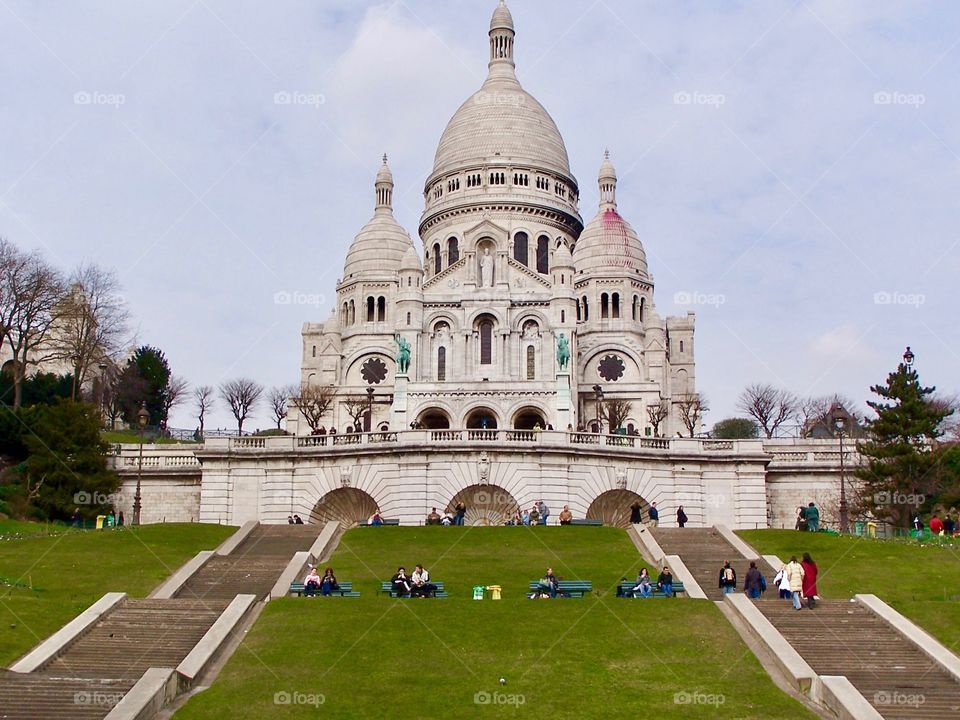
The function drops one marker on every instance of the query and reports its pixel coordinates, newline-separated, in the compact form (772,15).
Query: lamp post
(142,417)
(840,418)
(369,427)
(908,357)
(598,396)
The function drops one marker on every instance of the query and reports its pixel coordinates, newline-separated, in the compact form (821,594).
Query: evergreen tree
(149,365)
(899,475)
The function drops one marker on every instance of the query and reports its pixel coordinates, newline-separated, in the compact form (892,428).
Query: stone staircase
(35,696)
(253,567)
(840,637)
(703,551)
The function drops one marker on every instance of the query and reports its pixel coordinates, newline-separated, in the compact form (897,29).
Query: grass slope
(598,657)
(49,573)
(922,582)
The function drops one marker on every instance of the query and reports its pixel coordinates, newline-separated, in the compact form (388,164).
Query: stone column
(398,411)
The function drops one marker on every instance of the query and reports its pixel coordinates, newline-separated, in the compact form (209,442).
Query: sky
(791,166)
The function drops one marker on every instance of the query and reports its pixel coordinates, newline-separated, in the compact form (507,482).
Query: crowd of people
(947,526)
(537,514)
(796,581)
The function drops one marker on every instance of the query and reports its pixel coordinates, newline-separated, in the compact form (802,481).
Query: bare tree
(771,407)
(176,394)
(356,406)
(242,396)
(615,411)
(656,414)
(814,412)
(313,401)
(92,322)
(692,408)
(32,292)
(277,399)
(202,403)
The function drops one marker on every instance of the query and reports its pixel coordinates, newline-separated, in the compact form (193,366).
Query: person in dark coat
(636,514)
(665,582)
(459,513)
(809,580)
(401,582)
(753,582)
(681,517)
(728,578)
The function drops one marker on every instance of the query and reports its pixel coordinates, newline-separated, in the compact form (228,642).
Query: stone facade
(507,269)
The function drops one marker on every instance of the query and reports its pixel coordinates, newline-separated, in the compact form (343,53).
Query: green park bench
(387,587)
(386,521)
(568,588)
(586,521)
(345,589)
(627,586)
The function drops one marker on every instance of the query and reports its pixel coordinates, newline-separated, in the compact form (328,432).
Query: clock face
(611,368)
(374,371)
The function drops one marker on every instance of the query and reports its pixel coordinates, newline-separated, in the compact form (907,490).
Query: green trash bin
(478,592)
(858,528)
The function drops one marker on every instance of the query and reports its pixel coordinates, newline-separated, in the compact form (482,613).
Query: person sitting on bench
(665,582)
(548,586)
(565,515)
(311,583)
(433,518)
(401,583)
(422,587)
(328,583)
(643,585)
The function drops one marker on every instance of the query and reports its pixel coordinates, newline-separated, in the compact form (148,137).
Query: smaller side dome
(562,258)
(411,261)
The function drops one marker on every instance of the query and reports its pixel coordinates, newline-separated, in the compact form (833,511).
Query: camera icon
(482,498)
(881,697)
(482,698)
(883,97)
(82,498)
(282,298)
(282,98)
(682,298)
(281,698)
(82,98)
(882,298)
(682,98)
(682,698)
(81,698)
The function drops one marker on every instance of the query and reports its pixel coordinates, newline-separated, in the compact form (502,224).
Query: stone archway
(526,418)
(348,506)
(613,507)
(486,504)
(434,419)
(482,418)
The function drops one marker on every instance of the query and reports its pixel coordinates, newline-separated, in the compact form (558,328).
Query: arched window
(381,309)
(345,314)
(370,309)
(543,254)
(604,306)
(441,364)
(313,352)
(353,313)
(436,258)
(579,312)
(408,318)
(636,307)
(531,363)
(453,251)
(616,305)
(563,316)
(486,342)
(643,302)
(586,309)
(681,346)
(520,248)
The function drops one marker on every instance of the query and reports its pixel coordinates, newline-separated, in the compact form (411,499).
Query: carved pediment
(521,277)
(483,229)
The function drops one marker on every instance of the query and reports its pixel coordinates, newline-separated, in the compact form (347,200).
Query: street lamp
(908,357)
(369,409)
(598,396)
(840,419)
(142,417)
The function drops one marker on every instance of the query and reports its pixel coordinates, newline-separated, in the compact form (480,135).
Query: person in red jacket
(809,580)
(936,525)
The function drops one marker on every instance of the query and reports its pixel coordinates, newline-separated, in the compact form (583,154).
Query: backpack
(763,584)
(728,574)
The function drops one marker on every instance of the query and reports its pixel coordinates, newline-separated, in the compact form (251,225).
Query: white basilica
(508,274)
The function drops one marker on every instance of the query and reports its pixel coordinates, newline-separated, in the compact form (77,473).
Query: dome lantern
(501,39)
(384,187)
(608,183)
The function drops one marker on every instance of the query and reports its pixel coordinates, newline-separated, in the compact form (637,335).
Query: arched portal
(482,419)
(434,419)
(527,417)
(348,506)
(613,507)
(486,504)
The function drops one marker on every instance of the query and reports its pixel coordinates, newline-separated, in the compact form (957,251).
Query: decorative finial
(384,187)
(608,183)
(384,158)
(606,155)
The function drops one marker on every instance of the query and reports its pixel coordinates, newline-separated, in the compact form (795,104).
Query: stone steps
(136,635)
(37,696)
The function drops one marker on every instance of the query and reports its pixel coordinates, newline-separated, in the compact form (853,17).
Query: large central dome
(501,122)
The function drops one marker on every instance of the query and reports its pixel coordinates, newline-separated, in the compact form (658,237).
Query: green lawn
(598,657)
(50,573)
(922,582)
